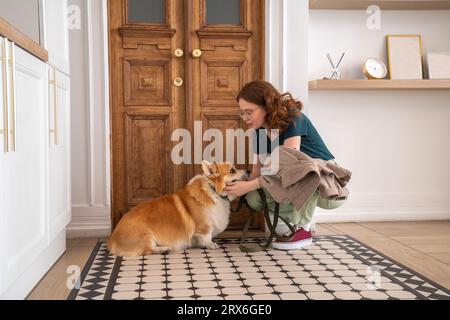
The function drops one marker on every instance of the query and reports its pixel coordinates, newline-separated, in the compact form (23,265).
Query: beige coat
(299,176)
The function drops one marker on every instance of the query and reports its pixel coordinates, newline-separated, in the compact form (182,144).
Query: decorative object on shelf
(439,65)
(335,73)
(374,68)
(404,56)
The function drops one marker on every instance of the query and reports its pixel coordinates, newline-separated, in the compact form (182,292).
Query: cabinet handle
(5,130)
(55,106)
(12,63)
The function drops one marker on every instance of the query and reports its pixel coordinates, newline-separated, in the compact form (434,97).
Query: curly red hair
(281,108)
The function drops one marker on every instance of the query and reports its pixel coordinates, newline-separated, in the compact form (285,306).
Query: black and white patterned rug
(334,267)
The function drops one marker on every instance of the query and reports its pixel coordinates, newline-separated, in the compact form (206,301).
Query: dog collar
(223,197)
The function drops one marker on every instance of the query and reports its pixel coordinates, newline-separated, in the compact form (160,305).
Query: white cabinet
(4,147)
(24,164)
(59,152)
(55,33)
(34,169)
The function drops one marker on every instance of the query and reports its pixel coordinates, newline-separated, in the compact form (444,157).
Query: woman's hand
(239,188)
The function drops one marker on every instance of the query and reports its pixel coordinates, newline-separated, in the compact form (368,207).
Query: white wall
(24,15)
(90,122)
(396,143)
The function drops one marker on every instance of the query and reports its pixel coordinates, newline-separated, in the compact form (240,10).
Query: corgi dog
(188,218)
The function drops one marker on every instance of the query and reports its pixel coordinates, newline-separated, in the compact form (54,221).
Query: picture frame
(438,65)
(405,56)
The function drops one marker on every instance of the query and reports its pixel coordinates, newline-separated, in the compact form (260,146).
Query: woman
(262,107)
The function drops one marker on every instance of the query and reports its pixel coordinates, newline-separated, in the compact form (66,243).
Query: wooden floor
(421,246)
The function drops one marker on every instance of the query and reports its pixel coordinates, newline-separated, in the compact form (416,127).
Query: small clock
(374,68)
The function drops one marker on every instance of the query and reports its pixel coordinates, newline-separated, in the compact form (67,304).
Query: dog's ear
(207,168)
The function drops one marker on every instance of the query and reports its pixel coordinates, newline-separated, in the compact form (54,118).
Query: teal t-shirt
(311,142)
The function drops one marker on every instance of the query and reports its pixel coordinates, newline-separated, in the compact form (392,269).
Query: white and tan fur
(188,218)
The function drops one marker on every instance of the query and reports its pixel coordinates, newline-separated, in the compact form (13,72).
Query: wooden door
(172,63)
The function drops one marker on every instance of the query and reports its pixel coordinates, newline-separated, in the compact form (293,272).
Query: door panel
(148,159)
(222,80)
(155,91)
(231,56)
(147,83)
(146,107)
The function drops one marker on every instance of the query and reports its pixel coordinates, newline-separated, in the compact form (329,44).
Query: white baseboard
(332,217)
(389,207)
(89,222)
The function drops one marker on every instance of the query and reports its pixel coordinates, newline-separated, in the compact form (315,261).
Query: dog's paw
(213,246)
(161,250)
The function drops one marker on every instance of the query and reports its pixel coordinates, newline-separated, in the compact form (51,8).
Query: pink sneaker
(300,239)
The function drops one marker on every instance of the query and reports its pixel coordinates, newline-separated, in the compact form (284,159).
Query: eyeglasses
(247,113)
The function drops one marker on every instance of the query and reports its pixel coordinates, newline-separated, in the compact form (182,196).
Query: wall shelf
(379,84)
(383,4)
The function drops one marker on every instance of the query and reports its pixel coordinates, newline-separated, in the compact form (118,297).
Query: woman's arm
(256,168)
(239,188)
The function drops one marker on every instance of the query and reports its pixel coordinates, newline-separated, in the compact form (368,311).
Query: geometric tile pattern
(96,275)
(333,267)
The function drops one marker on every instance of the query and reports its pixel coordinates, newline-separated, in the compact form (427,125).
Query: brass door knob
(178,53)
(197,53)
(178,82)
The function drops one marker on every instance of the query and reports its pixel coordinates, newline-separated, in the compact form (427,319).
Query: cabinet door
(23,209)
(3,158)
(59,152)
(56,34)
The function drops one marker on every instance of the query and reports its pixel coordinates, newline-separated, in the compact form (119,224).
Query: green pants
(302,217)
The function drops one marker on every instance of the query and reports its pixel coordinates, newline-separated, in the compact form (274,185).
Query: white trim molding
(274,16)
(287,45)
(389,207)
(89,222)
(91,209)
